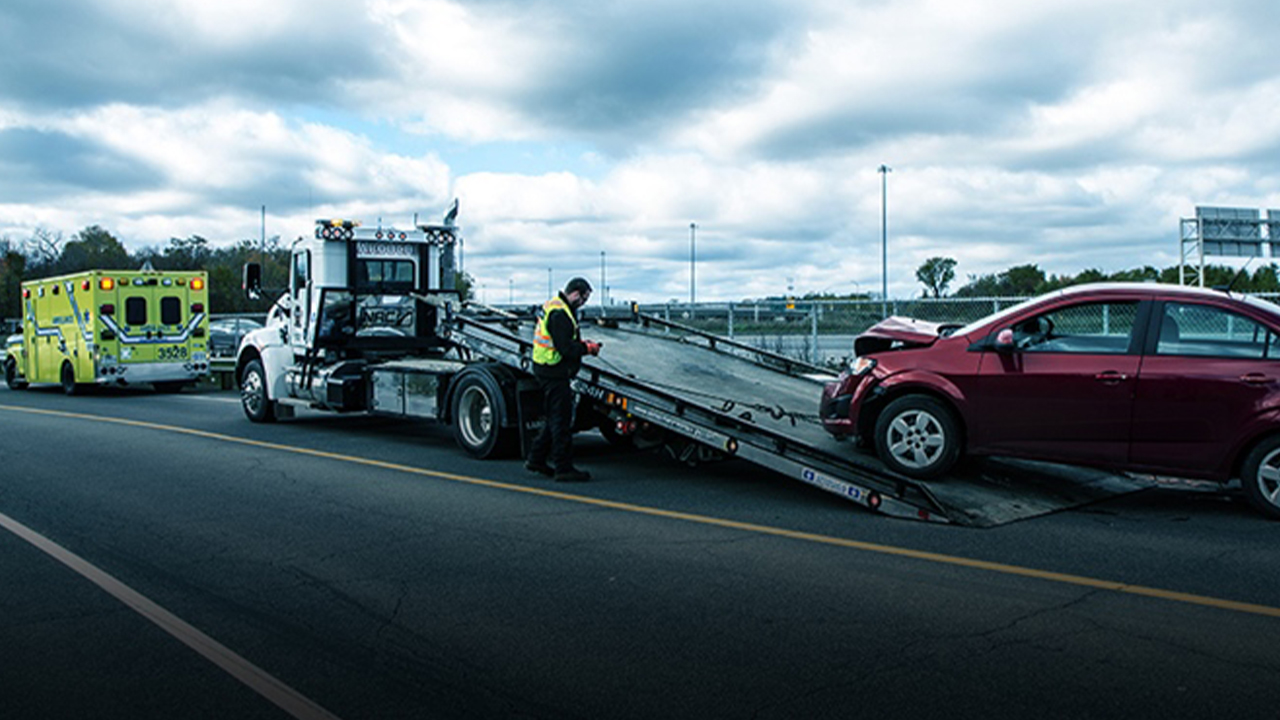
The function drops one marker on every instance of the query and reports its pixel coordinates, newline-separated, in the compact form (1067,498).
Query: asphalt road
(189,564)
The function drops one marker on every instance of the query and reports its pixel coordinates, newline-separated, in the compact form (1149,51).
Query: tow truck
(371,323)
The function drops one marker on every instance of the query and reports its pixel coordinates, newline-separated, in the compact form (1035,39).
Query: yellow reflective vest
(544,350)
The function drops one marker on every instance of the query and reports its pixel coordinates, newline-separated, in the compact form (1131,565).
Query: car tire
(918,436)
(1260,476)
(477,417)
(11,375)
(69,385)
(253,394)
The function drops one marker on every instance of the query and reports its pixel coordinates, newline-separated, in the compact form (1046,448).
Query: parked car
(225,334)
(1157,379)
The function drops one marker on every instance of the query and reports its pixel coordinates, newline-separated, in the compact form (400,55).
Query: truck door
(172,304)
(300,290)
(141,320)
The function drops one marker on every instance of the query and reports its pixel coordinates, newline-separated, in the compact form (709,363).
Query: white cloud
(1069,133)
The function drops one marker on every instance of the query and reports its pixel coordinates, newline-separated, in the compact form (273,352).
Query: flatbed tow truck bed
(761,407)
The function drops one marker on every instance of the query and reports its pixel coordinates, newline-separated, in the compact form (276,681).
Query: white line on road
(283,696)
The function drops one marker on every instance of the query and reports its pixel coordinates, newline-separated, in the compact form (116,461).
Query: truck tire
(477,417)
(918,436)
(1260,476)
(11,375)
(253,394)
(69,385)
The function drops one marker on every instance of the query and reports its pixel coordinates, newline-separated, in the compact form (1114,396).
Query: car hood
(897,333)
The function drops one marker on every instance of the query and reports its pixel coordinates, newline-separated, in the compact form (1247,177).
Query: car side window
(1208,331)
(1101,328)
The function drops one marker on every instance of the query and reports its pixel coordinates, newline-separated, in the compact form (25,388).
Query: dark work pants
(556,437)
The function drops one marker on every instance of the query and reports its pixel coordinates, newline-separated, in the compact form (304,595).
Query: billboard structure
(1225,232)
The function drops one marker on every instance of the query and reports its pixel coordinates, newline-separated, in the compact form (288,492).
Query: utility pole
(693,255)
(604,289)
(884,171)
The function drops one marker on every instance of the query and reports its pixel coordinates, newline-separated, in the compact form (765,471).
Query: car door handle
(1110,377)
(1255,379)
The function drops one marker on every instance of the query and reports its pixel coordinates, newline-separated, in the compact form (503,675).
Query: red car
(1157,379)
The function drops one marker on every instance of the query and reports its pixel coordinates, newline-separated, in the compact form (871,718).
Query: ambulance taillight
(107,309)
(85,285)
(106,284)
(197,284)
(197,308)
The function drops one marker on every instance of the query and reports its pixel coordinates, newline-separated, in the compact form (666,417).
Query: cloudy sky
(1070,133)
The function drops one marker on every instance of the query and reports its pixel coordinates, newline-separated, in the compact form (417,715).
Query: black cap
(577,285)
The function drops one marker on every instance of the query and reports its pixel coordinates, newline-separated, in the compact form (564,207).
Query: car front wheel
(1260,477)
(918,436)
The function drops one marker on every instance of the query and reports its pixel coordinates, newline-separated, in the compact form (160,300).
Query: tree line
(47,254)
(936,275)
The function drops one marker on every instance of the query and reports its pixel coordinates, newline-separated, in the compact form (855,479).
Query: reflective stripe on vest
(544,350)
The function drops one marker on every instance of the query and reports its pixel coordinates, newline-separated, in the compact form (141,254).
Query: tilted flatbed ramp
(762,407)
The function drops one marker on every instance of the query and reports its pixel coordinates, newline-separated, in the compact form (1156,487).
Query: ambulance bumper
(153,372)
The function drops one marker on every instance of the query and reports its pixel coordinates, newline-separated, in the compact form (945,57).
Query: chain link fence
(817,331)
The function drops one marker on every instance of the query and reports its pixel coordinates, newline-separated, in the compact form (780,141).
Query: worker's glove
(593,348)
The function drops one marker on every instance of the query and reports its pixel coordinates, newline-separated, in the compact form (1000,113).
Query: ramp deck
(763,408)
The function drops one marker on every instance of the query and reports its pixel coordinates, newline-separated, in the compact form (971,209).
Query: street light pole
(693,227)
(884,171)
(604,289)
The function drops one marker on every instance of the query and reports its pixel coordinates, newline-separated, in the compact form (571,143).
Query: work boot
(539,467)
(572,475)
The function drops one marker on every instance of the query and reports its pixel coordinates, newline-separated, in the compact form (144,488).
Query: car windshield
(993,317)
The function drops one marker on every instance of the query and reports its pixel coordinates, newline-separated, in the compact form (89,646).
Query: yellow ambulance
(119,327)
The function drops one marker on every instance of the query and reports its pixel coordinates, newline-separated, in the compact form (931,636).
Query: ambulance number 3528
(177,352)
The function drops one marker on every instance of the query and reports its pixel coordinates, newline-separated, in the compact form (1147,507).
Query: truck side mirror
(252,283)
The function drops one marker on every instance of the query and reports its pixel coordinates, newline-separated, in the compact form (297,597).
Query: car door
(1209,371)
(1064,391)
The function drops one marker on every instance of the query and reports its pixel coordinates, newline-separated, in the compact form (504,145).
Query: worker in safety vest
(557,355)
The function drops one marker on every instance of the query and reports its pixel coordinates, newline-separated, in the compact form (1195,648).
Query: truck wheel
(69,385)
(1260,477)
(11,375)
(477,425)
(253,394)
(918,436)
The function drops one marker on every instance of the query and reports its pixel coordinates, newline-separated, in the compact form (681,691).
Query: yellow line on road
(266,685)
(1016,570)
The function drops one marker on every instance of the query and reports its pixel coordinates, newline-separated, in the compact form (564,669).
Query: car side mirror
(1004,341)
(252,284)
